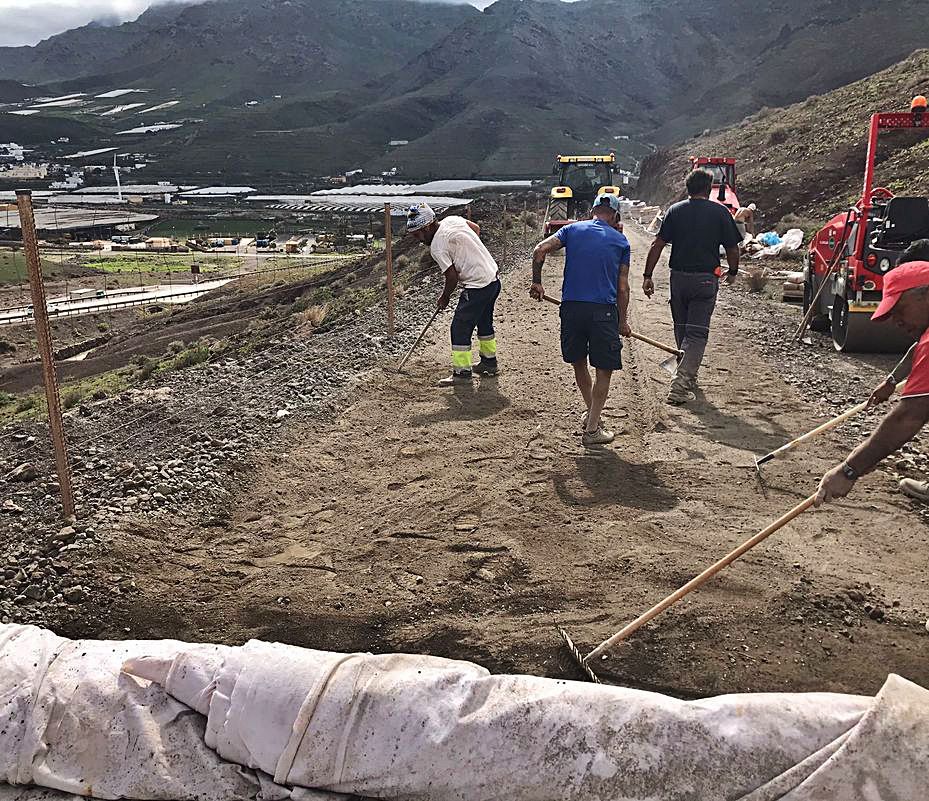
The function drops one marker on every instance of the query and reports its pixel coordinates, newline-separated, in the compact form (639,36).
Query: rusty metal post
(505,223)
(388,247)
(44,336)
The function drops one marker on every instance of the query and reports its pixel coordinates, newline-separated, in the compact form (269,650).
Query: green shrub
(71,398)
(25,404)
(191,357)
(148,368)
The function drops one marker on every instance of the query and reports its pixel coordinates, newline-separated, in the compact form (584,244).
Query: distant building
(11,152)
(70,182)
(398,142)
(26,172)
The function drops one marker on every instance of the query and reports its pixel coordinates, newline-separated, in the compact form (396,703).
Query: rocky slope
(808,159)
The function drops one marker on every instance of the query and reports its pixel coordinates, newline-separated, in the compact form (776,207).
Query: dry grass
(315,315)
(756,278)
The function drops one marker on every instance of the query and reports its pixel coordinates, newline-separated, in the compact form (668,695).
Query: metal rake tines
(578,657)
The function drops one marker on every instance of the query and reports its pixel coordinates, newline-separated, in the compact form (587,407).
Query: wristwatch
(849,472)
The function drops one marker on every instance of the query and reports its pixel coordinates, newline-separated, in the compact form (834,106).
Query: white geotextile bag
(417,727)
(414,727)
(73,722)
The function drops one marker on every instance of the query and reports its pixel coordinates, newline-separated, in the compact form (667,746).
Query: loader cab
(722,170)
(722,173)
(580,180)
(584,180)
(724,179)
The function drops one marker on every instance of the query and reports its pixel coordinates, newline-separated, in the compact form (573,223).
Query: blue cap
(607,200)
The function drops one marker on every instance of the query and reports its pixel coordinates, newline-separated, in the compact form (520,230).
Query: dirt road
(467,523)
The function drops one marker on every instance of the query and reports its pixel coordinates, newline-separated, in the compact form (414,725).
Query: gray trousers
(693,298)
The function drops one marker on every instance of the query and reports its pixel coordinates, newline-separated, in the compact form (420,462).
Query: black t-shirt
(695,229)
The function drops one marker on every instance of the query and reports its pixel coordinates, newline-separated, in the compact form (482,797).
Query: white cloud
(26,22)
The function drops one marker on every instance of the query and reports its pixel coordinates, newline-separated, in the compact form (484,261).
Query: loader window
(720,172)
(586,178)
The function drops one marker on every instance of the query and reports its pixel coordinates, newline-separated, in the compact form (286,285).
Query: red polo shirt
(918,382)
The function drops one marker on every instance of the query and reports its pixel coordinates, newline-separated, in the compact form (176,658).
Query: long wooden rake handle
(700,580)
(820,429)
(829,424)
(418,340)
(656,344)
(647,340)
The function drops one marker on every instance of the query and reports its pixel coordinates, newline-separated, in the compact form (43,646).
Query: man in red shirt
(906,303)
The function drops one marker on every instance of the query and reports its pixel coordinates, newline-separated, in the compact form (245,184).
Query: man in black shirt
(696,229)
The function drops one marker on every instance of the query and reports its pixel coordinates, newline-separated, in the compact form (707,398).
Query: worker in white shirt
(456,246)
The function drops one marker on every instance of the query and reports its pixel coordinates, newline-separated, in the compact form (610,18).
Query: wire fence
(285,375)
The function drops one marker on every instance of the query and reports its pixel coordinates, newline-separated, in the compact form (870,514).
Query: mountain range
(330,84)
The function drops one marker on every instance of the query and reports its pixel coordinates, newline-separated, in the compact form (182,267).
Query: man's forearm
(651,261)
(538,259)
(894,431)
(622,304)
(732,256)
(451,281)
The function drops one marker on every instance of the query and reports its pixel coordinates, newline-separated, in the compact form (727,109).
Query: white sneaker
(599,437)
(915,489)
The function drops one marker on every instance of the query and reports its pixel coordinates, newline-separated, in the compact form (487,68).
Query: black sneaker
(486,367)
(456,379)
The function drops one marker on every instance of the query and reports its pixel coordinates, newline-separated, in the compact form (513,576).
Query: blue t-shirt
(594,252)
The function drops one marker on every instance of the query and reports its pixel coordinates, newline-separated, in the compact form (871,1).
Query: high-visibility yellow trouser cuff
(461,359)
(488,347)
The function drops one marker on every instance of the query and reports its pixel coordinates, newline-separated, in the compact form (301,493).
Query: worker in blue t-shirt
(594,304)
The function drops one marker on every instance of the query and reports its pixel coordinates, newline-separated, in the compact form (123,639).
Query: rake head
(759,477)
(576,654)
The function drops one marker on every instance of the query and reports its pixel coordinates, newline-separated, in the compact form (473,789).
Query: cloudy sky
(25,22)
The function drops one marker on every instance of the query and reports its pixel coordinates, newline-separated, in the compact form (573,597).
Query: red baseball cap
(911,275)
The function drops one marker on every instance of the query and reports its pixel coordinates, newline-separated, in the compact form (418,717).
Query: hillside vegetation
(808,159)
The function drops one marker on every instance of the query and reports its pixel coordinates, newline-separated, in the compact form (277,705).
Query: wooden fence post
(505,221)
(44,337)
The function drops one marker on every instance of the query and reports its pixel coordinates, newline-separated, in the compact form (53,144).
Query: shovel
(670,365)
